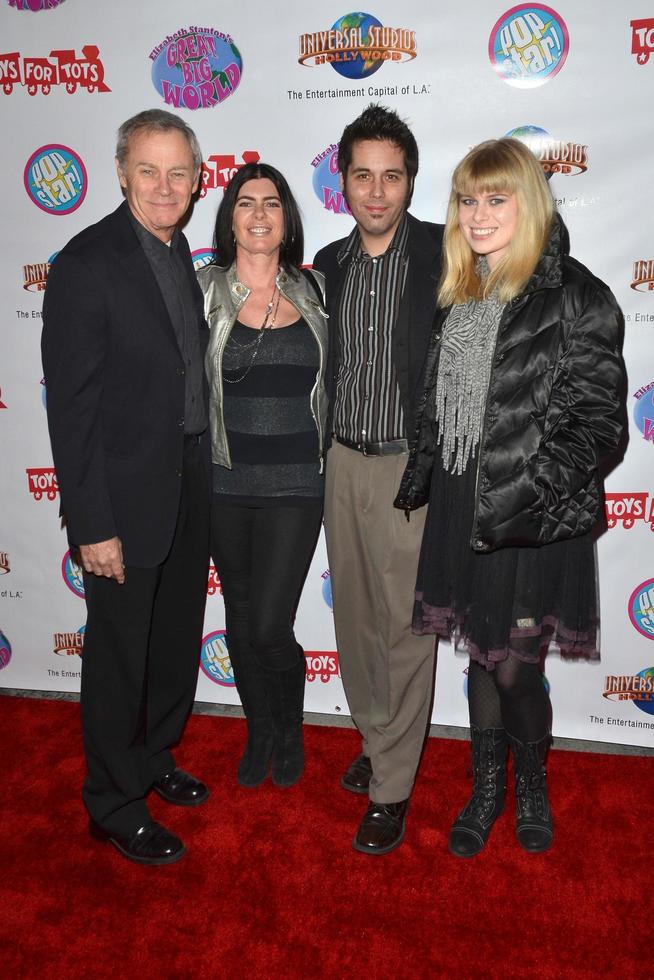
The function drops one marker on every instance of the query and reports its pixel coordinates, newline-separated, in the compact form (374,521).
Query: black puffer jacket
(555,409)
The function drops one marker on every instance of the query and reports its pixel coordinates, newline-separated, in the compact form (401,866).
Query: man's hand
(104,558)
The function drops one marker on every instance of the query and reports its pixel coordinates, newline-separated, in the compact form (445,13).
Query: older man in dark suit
(123,343)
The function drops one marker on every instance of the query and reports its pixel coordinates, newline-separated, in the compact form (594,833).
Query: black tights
(262,556)
(511,696)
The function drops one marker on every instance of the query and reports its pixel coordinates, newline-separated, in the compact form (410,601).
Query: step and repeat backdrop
(278,82)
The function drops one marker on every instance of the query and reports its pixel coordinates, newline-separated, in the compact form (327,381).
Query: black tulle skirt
(499,603)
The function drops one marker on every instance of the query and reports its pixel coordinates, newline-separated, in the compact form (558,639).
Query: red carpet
(272,888)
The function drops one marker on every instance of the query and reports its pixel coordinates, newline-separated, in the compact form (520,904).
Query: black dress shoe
(150,844)
(382,828)
(357,776)
(181,788)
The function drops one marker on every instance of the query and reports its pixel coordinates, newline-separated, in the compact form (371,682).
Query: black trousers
(262,555)
(140,663)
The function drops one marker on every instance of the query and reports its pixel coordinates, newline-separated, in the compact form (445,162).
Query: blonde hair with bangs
(496,166)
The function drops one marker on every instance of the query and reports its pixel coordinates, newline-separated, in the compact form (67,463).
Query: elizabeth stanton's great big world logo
(196,68)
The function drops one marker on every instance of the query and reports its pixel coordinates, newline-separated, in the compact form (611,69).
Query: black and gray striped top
(367,404)
(273,439)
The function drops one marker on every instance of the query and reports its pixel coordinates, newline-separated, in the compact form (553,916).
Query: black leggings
(262,555)
(512,696)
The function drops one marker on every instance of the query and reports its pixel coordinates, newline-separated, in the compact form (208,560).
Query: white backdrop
(259,79)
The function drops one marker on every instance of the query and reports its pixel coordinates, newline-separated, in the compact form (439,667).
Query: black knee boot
(473,825)
(251,686)
(286,698)
(534,819)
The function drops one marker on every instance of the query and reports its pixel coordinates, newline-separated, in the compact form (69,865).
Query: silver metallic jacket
(224,296)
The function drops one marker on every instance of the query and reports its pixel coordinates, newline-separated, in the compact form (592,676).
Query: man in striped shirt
(381,299)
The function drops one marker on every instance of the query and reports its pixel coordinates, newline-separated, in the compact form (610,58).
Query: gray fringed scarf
(459,399)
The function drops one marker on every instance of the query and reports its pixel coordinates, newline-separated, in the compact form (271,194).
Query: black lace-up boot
(473,825)
(534,818)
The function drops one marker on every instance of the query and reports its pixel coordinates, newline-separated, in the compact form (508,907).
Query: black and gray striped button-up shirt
(367,405)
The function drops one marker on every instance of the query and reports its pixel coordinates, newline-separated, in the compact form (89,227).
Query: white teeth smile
(483,231)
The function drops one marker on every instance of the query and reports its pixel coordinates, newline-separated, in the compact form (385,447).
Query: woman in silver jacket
(265,363)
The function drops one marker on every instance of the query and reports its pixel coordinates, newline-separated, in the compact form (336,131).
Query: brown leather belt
(393,448)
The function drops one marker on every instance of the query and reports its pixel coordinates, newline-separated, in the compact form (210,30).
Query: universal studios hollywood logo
(357,45)
(643,275)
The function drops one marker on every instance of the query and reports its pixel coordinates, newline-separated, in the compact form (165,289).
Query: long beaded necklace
(269,319)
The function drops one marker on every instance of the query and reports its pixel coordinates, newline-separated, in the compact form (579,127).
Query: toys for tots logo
(64,69)
(322,664)
(555,156)
(42,480)
(196,68)
(218,170)
(326,181)
(627,508)
(642,39)
(55,179)
(528,45)
(357,45)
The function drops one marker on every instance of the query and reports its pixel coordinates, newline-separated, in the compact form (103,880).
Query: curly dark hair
(291,251)
(377,122)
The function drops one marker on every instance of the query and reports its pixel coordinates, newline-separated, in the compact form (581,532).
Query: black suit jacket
(114,377)
(415,316)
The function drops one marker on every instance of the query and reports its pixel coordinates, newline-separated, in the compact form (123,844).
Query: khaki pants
(387,671)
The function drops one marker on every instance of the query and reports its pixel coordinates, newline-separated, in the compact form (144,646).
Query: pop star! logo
(528,45)
(72,575)
(642,39)
(218,170)
(214,659)
(627,508)
(65,69)
(357,45)
(643,280)
(322,664)
(644,411)
(555,156)
(641,608)
(326,181)
(196,68)
(42,481)
(202,257)
(55,179)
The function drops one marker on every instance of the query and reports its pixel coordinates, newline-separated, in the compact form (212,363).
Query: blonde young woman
(522,404)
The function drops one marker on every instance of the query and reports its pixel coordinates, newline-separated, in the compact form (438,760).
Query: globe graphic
(647,705)
(357,68)
(532,137)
